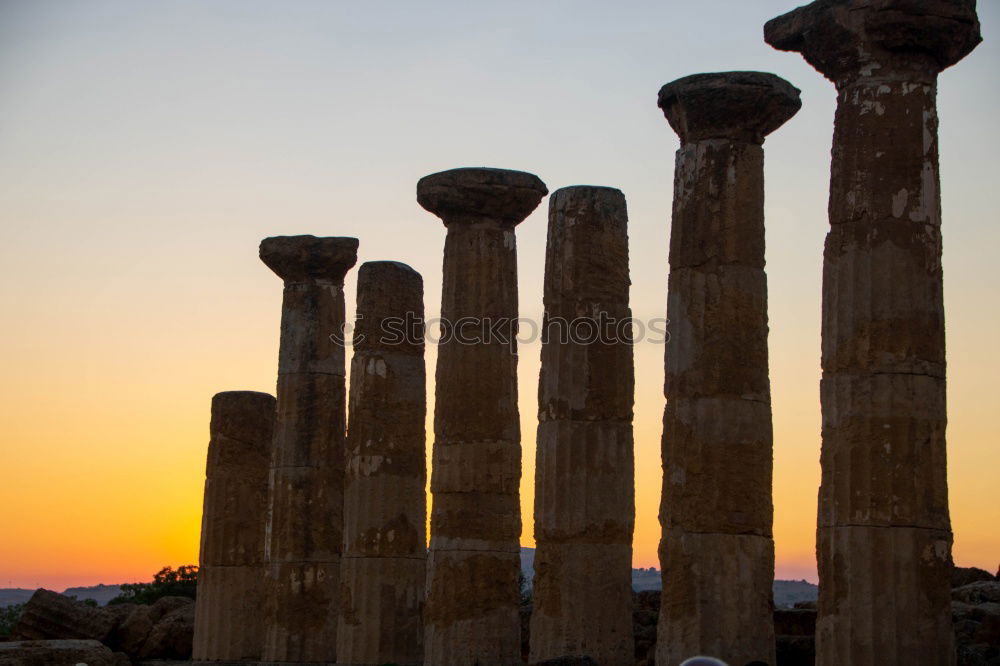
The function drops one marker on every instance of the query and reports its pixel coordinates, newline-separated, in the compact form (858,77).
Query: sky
(147,147)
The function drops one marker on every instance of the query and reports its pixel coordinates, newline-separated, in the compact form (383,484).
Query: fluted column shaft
(471,615)
(231,575)
(584,471)
(717,550)
(305,523)
(385,515)
(884,533)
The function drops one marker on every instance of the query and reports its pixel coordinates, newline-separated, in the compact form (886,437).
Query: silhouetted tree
(167,582)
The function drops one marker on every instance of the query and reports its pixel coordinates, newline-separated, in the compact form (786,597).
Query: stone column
(306,489)
(472,604)
(385,514)
(584,469)
(884,534)
(228,623)
(717,550)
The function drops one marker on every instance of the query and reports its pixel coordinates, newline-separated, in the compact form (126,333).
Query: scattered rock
(977,631)
(131,633)
(56,653)
(961,576)
(50,615)
(978,593)
(172,636)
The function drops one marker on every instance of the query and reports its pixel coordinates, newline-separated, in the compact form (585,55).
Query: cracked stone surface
(717,551)
(471,616)
(584,470)
(884,533)
(306,486)
(228,623)
(385,514)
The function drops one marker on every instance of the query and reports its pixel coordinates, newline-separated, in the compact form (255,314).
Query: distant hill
(102,594)
(14,595)
(786,592)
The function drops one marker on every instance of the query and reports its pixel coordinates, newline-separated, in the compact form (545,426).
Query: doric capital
(308,258)
(739,106)
(847,40)
(472,194)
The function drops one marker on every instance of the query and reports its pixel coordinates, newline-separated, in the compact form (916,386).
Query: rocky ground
(53,628)
(56,629)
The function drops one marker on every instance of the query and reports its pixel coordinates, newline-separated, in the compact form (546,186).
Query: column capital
(740,106)
(308,258)
(475,194)
(855,40)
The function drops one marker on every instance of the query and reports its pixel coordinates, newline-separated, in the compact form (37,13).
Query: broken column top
(739,106)
(475,194)
(389,289)
(241,415)
(853,39)
(307,258)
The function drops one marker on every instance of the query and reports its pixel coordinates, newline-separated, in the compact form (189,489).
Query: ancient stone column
(471,615)
(385,514)
(884,533)
(306,489)
(231,575)
(584,466)
(717,550)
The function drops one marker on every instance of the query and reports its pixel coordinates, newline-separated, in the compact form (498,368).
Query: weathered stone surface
(385,515)
(721,607)
(472,607)
(471,614)
(584,485)
(854,564)
(232,571)
(381,606)
(305,490)
(602,627)
(584,472)
(717,465)
(59,653)
(884,531)
(50,615)
(716,551)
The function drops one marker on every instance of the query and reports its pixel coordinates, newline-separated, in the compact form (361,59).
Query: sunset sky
(147,147)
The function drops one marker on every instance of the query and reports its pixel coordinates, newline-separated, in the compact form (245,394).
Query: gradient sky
(147,147)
